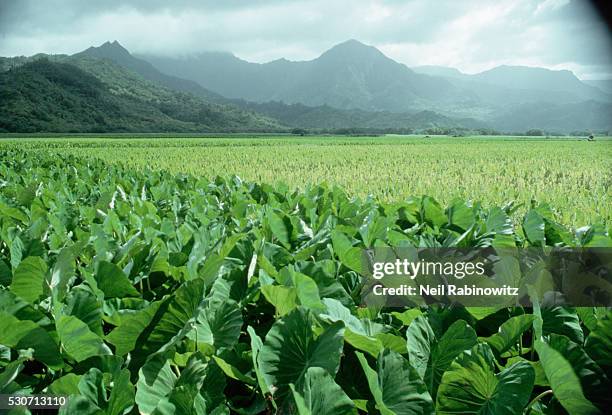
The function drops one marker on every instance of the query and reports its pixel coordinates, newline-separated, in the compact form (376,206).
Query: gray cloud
(472,35)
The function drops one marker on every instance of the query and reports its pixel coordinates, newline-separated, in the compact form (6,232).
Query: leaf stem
(536,399)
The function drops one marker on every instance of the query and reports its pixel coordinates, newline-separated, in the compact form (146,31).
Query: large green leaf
(218,323)
(23,334)
(471,386)
(91,386)
(133,324)
(122,396)
(430,356)
(563,381)
(363,342)
(562,320)
(156,380)
(307,292)
(350,256)
(420,339)
(172,321)
(590,315)
(256,346)
(291,347)
(457,338)
(29,278)
(509,333)
(395,385)
(593,379)
(284,299)
(84,305)
(160,391)
(61,273)
(66,385)
(80,405)
(320,395)
(78,341)
(599,343)
(9,373)
(460,215)
(232,371)
(533,227)
(281,227)
(374,227)
(432,212)
(355,333)
(335,311)
(185,395)
(113,281)
(93,394)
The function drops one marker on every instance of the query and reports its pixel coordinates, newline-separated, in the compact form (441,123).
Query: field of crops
(572,175)
(135,290)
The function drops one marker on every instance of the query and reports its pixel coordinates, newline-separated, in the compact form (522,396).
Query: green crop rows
(144,291)
(573,176)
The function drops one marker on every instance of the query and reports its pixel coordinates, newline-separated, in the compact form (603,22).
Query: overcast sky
(471,35)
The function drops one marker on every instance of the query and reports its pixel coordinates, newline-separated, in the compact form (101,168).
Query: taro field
(571,175)
(140,276)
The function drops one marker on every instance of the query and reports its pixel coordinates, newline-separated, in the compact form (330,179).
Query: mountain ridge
(363,80)
(351,85)
(84,94)
(117,53)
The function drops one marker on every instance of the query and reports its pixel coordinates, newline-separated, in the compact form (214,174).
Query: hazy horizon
(472,36)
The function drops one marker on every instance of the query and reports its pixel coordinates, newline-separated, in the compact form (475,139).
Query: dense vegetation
(92,95)
(574,181)
(120,56)
(143,291)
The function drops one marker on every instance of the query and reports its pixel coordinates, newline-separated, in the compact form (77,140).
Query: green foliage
(83,94)
(472,386)
(396,386)
(499,172)
(140,291)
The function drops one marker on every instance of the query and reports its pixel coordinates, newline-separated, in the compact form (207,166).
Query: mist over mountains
(118,54)
(350,75)
(349,86)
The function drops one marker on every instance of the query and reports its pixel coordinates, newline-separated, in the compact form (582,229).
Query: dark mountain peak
(109,50)
(122,57)
(352,49)
(352,43)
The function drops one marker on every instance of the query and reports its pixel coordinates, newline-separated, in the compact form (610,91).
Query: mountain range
(350,75)
(351,85)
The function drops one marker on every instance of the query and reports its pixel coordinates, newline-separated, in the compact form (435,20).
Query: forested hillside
(82,94)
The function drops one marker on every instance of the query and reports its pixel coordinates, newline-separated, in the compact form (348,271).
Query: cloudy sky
(472,35)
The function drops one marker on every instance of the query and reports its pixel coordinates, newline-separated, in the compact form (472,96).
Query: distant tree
(299,131)
(535,132)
